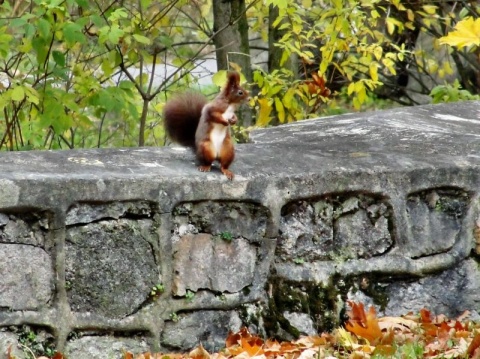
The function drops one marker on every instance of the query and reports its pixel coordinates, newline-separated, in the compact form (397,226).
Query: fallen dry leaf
(364,324)
(363,336)
(474,345)
(199,353)
(397,324)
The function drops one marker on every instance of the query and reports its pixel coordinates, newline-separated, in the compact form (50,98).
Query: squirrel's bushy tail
(181,115)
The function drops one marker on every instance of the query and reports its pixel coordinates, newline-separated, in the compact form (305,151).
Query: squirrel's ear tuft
(233,78)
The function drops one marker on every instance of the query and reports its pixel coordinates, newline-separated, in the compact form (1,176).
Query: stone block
(9,344)
(89,212)
(9,193)
(208,327)
(435,220)
(203,261)
(240,219)
(25,228)
(450,292)
(102,347)
(301,321)
(26,277)
(335,227)
(110,266)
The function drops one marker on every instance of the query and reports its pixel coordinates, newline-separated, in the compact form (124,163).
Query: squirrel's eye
(240,93)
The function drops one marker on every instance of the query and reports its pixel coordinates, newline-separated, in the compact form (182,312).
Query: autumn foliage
(363,336)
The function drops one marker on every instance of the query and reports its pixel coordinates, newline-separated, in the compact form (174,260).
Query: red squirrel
(192,121)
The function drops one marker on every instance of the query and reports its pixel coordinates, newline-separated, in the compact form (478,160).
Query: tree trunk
(232,43)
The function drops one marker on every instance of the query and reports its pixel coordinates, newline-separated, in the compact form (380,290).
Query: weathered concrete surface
(208,327)
(136,248)
(104,347)
(110,266)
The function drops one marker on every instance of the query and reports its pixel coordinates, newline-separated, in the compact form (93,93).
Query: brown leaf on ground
(363,336)
(474,345)
(425,316)
(244,342)
(397,324)
(364,324)
(199,353)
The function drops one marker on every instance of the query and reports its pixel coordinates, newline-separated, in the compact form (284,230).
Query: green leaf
(44,28)
(82,3)
(111,34)
(18,22)
(281,4)
(97,20)
(18,94)
(5,40)
(32,95)
(120,13)
(73,34)
(142,39)
(115,34)
(41,48)
(107,67)
(166,41)
(29,30)
(59,58)
(220,78)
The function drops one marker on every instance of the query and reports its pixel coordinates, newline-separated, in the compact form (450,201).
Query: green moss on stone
(320,302)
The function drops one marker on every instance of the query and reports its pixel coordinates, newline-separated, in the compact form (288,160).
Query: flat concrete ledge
(345,207)
(410,137)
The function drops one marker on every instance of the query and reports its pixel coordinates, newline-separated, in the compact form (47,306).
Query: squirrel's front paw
(233,119)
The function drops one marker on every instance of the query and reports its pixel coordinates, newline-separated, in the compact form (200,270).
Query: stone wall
(133,249)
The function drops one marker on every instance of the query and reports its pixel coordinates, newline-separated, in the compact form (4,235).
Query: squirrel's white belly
(217,136)
(229,112)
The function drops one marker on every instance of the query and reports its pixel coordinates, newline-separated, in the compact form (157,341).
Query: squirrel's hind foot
(229,174)
(204,168)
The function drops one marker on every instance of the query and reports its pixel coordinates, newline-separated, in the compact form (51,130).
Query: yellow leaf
(351,88)
(390,25)
(307,4)
(430,9)
(345,338)
(378,51)
(356,103)
(264,112)
(447,68)
(467,33)
(280,110)
(373,71)
(410,15)
(362,95)
(389,64)
(220,78)
(288,98)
